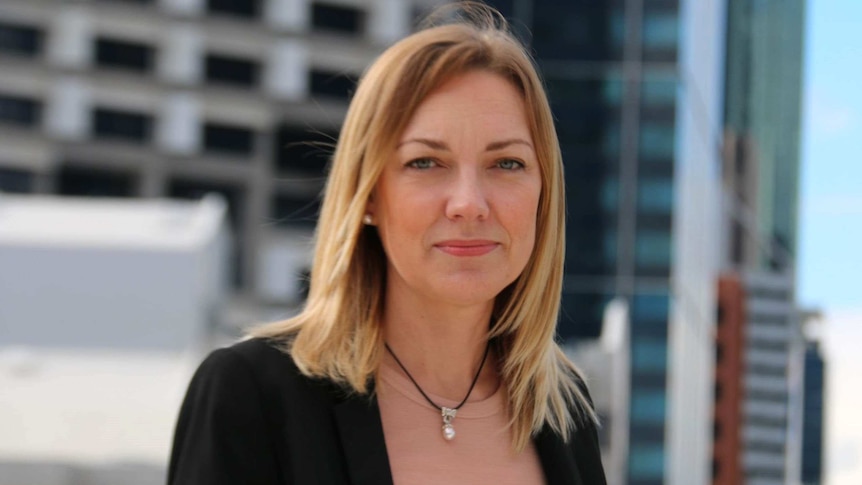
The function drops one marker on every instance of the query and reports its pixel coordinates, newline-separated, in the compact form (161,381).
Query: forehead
(478,100)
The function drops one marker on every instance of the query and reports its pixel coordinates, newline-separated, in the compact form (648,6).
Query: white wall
(141,290)
(696,243)
(96,297)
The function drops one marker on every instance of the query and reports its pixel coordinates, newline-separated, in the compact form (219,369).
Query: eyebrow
(494,145)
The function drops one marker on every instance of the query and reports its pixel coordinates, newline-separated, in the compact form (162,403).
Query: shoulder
(249,358)
(585,440)
(274,374)
(225,428)
(258,355)
(263,364)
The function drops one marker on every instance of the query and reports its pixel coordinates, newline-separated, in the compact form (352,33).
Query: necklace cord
(469,391)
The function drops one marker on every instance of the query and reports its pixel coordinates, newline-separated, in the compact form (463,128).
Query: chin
(469,294)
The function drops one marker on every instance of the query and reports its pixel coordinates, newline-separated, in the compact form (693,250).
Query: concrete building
(775,347)
(178,98)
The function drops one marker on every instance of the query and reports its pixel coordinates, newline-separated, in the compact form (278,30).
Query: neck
(442,347)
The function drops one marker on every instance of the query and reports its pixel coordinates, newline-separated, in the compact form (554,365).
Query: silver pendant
(448,430)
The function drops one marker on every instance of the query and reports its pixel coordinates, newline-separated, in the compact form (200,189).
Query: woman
(425,353)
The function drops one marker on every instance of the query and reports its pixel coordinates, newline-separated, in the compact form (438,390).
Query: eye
(510,164)
(422,163)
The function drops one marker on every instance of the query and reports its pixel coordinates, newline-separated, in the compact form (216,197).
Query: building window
(15,181)
(657,141)
(331,84)
(582,30)
(653,308)
(19,111)
(658,92)
(228,139)
(123,54)
(237,8)
(122,125)
(89,182)
(646,461)
(295,211)
(231,70)
(591,243)
(301,150)
(661,30)
(588,115)
(660,35)
(655,195)
(737,242)
(20,39)
(650,355)
(653,249)
(648,432)
(337,18)
(581,314)
(611,195)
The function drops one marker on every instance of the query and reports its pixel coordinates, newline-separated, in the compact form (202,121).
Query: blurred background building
(144,100)
(636,89)
(679,124)
(179,98)
(762,116)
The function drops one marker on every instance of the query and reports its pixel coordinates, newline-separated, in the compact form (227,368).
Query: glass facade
(578,30)
(588,119)
(763,89)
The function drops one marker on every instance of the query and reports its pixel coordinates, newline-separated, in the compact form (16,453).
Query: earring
(368,220)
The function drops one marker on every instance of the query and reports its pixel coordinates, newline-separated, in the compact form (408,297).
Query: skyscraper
(763,91)
(762,123)
(636,91)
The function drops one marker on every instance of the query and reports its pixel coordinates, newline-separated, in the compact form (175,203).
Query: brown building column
(729,382)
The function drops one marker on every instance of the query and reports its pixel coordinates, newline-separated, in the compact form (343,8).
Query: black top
(251,418)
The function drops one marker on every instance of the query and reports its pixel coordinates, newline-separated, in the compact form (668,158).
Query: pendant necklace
(448,414)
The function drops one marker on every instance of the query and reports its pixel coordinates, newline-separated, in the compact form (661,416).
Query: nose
(467,199)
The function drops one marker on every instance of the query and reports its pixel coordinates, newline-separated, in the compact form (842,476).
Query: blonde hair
(338,334)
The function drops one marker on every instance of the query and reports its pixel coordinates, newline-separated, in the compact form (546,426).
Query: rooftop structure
(100,273)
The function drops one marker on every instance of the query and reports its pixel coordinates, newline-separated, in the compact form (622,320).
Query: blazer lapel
(557,459)
(361,433)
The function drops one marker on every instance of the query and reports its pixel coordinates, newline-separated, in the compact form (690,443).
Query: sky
(830,238)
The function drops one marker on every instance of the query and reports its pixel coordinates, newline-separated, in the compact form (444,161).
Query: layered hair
(338,335)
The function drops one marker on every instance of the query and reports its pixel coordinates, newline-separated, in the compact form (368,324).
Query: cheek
(520,221)
(402,218)
(523,211)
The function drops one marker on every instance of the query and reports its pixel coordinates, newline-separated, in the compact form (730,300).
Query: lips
(464,248)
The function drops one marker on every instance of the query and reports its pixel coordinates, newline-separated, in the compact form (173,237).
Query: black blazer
(251,418)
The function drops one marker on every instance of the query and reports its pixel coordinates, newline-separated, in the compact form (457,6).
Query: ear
(370,217)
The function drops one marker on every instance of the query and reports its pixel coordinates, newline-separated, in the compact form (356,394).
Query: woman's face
(456,204)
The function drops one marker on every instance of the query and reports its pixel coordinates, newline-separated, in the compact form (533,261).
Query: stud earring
(367,220)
